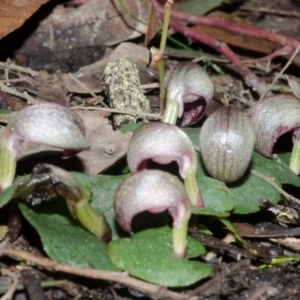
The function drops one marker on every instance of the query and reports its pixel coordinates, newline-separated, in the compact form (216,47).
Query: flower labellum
(189,91)
(164,143)
(273,116)
(226,143)
(46,123)
(155,191)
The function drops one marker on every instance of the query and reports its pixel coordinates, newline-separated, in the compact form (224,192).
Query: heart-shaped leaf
(278,167)
(149,255)
(248,191)
(64,239)
(215,194)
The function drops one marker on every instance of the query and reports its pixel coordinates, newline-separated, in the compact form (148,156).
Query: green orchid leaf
(104,188)
(248,191)
(149,255)
(208,212)
(64,239)
(278,166)
(215,194)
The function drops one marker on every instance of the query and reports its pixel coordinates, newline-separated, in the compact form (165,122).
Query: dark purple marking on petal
(192,112)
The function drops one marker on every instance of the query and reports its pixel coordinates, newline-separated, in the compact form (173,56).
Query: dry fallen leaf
(94,23)
(14,13)
(106,145)
(245,42)
(154,24)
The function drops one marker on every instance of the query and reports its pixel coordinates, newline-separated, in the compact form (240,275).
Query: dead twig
(14,278)
(214,285)
(272,11)
(13,92)
(282,71)
(12,66)
(88,90)
(155,291)
(126,112)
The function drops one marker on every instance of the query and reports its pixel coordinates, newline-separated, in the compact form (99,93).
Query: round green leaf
(278,167)
(64,239)
(149,255)
(208,212)
(215,194)
(248,191)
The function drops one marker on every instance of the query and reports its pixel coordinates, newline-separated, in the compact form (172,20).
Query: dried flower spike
(46,123)
(48,181)
(226,143)
(189,91)
(164,143)
(272,117)
(155,191)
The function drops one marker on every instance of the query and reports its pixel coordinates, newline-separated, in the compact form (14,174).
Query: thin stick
(13,92)
(281,72)
(271,11)
(113,110)
(10,292)
(12,66)
(149,86)
(88,90)
(44,284)
(156,291)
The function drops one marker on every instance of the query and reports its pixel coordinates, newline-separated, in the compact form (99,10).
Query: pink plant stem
(282,51)
(249,77)
(269,35)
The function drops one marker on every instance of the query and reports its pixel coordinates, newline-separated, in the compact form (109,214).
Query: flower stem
(158,56)
(180,238)
(192,189)
(171,113)
(7,167)
(164,34)
(92,221)
(295,158)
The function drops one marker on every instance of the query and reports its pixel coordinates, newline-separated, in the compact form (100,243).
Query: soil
(238,274)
